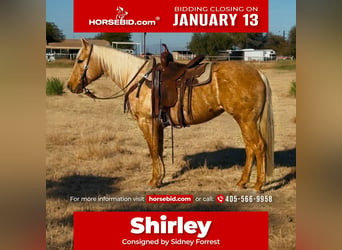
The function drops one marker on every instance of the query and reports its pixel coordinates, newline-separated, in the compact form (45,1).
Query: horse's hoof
(155,184)
(150,188)
(254,191)
(238,188)
(257,187)
(241,185)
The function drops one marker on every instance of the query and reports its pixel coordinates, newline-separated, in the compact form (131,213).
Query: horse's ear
(85,43)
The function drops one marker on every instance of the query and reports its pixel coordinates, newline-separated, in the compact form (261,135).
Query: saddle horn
(165,57)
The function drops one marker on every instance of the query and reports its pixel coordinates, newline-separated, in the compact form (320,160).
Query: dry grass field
(94,149)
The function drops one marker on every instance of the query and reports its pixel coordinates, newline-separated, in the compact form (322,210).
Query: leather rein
(84,81)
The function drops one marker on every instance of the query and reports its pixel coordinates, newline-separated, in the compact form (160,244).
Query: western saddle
(169,83)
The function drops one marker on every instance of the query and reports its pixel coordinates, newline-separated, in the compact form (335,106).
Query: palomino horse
(236,88)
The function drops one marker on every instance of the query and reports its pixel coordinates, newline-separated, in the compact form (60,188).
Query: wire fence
(240,58)
(54,56)
(180,57)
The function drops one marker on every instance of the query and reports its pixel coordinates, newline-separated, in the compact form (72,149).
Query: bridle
(84,81)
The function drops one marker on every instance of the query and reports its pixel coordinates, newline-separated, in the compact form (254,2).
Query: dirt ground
(94,149)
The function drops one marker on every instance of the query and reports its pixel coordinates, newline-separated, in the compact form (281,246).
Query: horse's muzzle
(77,90)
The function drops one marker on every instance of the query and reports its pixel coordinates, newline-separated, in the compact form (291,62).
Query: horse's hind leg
(154,137)
(254,147)
(247,168)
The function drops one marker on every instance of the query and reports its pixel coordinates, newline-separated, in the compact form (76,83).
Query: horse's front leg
(154,136)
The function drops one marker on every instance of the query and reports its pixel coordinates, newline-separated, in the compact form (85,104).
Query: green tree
(278,43)
(198,44)
(255,40)
(249,40)
(217,42)
(239,40)
(210,43)
(116,37)
(292,41)
(53,33)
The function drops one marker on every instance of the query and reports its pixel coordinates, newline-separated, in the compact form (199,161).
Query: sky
(282,17)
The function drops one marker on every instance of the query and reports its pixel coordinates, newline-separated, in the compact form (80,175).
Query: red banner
(173,230)
(171,16)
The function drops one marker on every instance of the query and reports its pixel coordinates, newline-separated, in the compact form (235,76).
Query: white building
(252,54)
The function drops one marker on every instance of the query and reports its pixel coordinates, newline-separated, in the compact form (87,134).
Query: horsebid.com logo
(121,13)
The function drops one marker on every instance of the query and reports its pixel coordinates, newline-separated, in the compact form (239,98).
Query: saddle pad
(206,76)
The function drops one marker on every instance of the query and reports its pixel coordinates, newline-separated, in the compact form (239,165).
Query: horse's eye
(80,61)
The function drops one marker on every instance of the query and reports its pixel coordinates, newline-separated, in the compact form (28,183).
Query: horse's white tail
(267,128)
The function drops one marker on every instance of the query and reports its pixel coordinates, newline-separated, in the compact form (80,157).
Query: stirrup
(164,119)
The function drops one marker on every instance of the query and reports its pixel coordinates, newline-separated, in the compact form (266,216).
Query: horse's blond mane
(120,66)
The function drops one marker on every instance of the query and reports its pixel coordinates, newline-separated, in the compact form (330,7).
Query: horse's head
(121,10)
(121,13)
(85,69)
